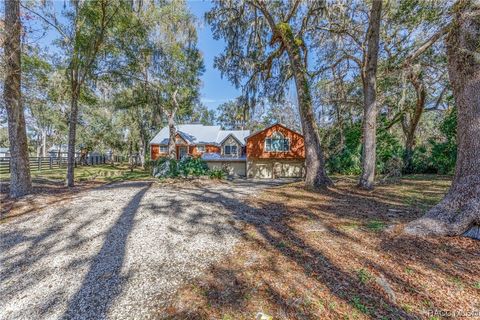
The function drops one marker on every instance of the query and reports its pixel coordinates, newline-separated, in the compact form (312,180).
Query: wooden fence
(47,163)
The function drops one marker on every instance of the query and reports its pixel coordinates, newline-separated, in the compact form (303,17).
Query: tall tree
(201,114)
(233,114)
(20,181)
(83,31)
(266,44)
(459,212)
(284,112)
(369,79)
(175,65)
(91,19)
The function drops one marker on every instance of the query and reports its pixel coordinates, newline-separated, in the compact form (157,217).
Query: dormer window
(230,150)
(201,148)
(277,143)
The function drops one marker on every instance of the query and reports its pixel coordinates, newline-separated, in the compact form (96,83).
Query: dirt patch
(119,251)
(337,254)
(53,192)
(45,193)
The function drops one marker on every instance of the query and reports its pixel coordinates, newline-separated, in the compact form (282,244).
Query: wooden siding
(179,140)
(154,151)
(256,144)
(208,149)
(192,150)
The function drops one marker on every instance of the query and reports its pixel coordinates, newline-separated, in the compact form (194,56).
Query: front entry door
(182,152)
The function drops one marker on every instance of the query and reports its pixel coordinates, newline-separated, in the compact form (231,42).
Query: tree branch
(427,44)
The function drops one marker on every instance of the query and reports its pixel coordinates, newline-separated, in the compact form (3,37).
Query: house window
(201,148)
(277,143)
(230,150)
(163,149)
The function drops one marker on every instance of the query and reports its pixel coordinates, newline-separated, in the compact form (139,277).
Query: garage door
(232,168)
(262,169)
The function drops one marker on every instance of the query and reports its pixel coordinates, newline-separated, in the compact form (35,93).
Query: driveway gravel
(118,251)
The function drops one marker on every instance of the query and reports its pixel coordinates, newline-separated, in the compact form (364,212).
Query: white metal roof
(239,134)
(198,134)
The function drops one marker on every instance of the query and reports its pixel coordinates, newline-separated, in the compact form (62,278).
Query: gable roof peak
(271,126)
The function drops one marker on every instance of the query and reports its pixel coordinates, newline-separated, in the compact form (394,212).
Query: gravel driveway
(118,251)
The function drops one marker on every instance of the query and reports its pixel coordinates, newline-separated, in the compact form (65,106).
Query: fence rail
(47,163)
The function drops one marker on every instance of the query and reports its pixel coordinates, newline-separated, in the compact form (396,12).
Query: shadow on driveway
(103,282)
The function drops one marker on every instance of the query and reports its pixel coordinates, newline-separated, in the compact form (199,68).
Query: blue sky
(215,90)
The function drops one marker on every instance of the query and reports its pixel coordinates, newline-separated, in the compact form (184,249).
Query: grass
(357,304)
(100,173)
(49,186)
(375,225)
(364,276)
(409,271)
(358,266)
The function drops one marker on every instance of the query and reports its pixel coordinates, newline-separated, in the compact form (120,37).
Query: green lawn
(102,173)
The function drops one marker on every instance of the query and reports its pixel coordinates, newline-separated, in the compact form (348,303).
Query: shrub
(420,162)
(393,167)
(217,174)
(165,168)
(192,166)
(444,154)
(348,160)
(389,153)
(171,168)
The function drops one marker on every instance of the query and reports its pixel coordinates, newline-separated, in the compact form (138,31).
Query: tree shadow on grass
(272,222)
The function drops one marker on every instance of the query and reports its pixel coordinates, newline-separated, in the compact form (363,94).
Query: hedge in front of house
(186,167)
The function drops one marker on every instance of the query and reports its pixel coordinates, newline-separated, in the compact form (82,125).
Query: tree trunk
(410,125)
(141,152)
(408,155)
(72,132)
(316,176)
(20,181)
(172,152)
(369,75)
(44,142)
(143,137)
(38,143)
(459,212)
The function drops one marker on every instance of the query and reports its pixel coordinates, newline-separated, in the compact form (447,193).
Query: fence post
(60,162)
(39,163)
(50,162)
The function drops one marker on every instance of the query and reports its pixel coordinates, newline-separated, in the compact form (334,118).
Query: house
(58,150)
(274,152)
